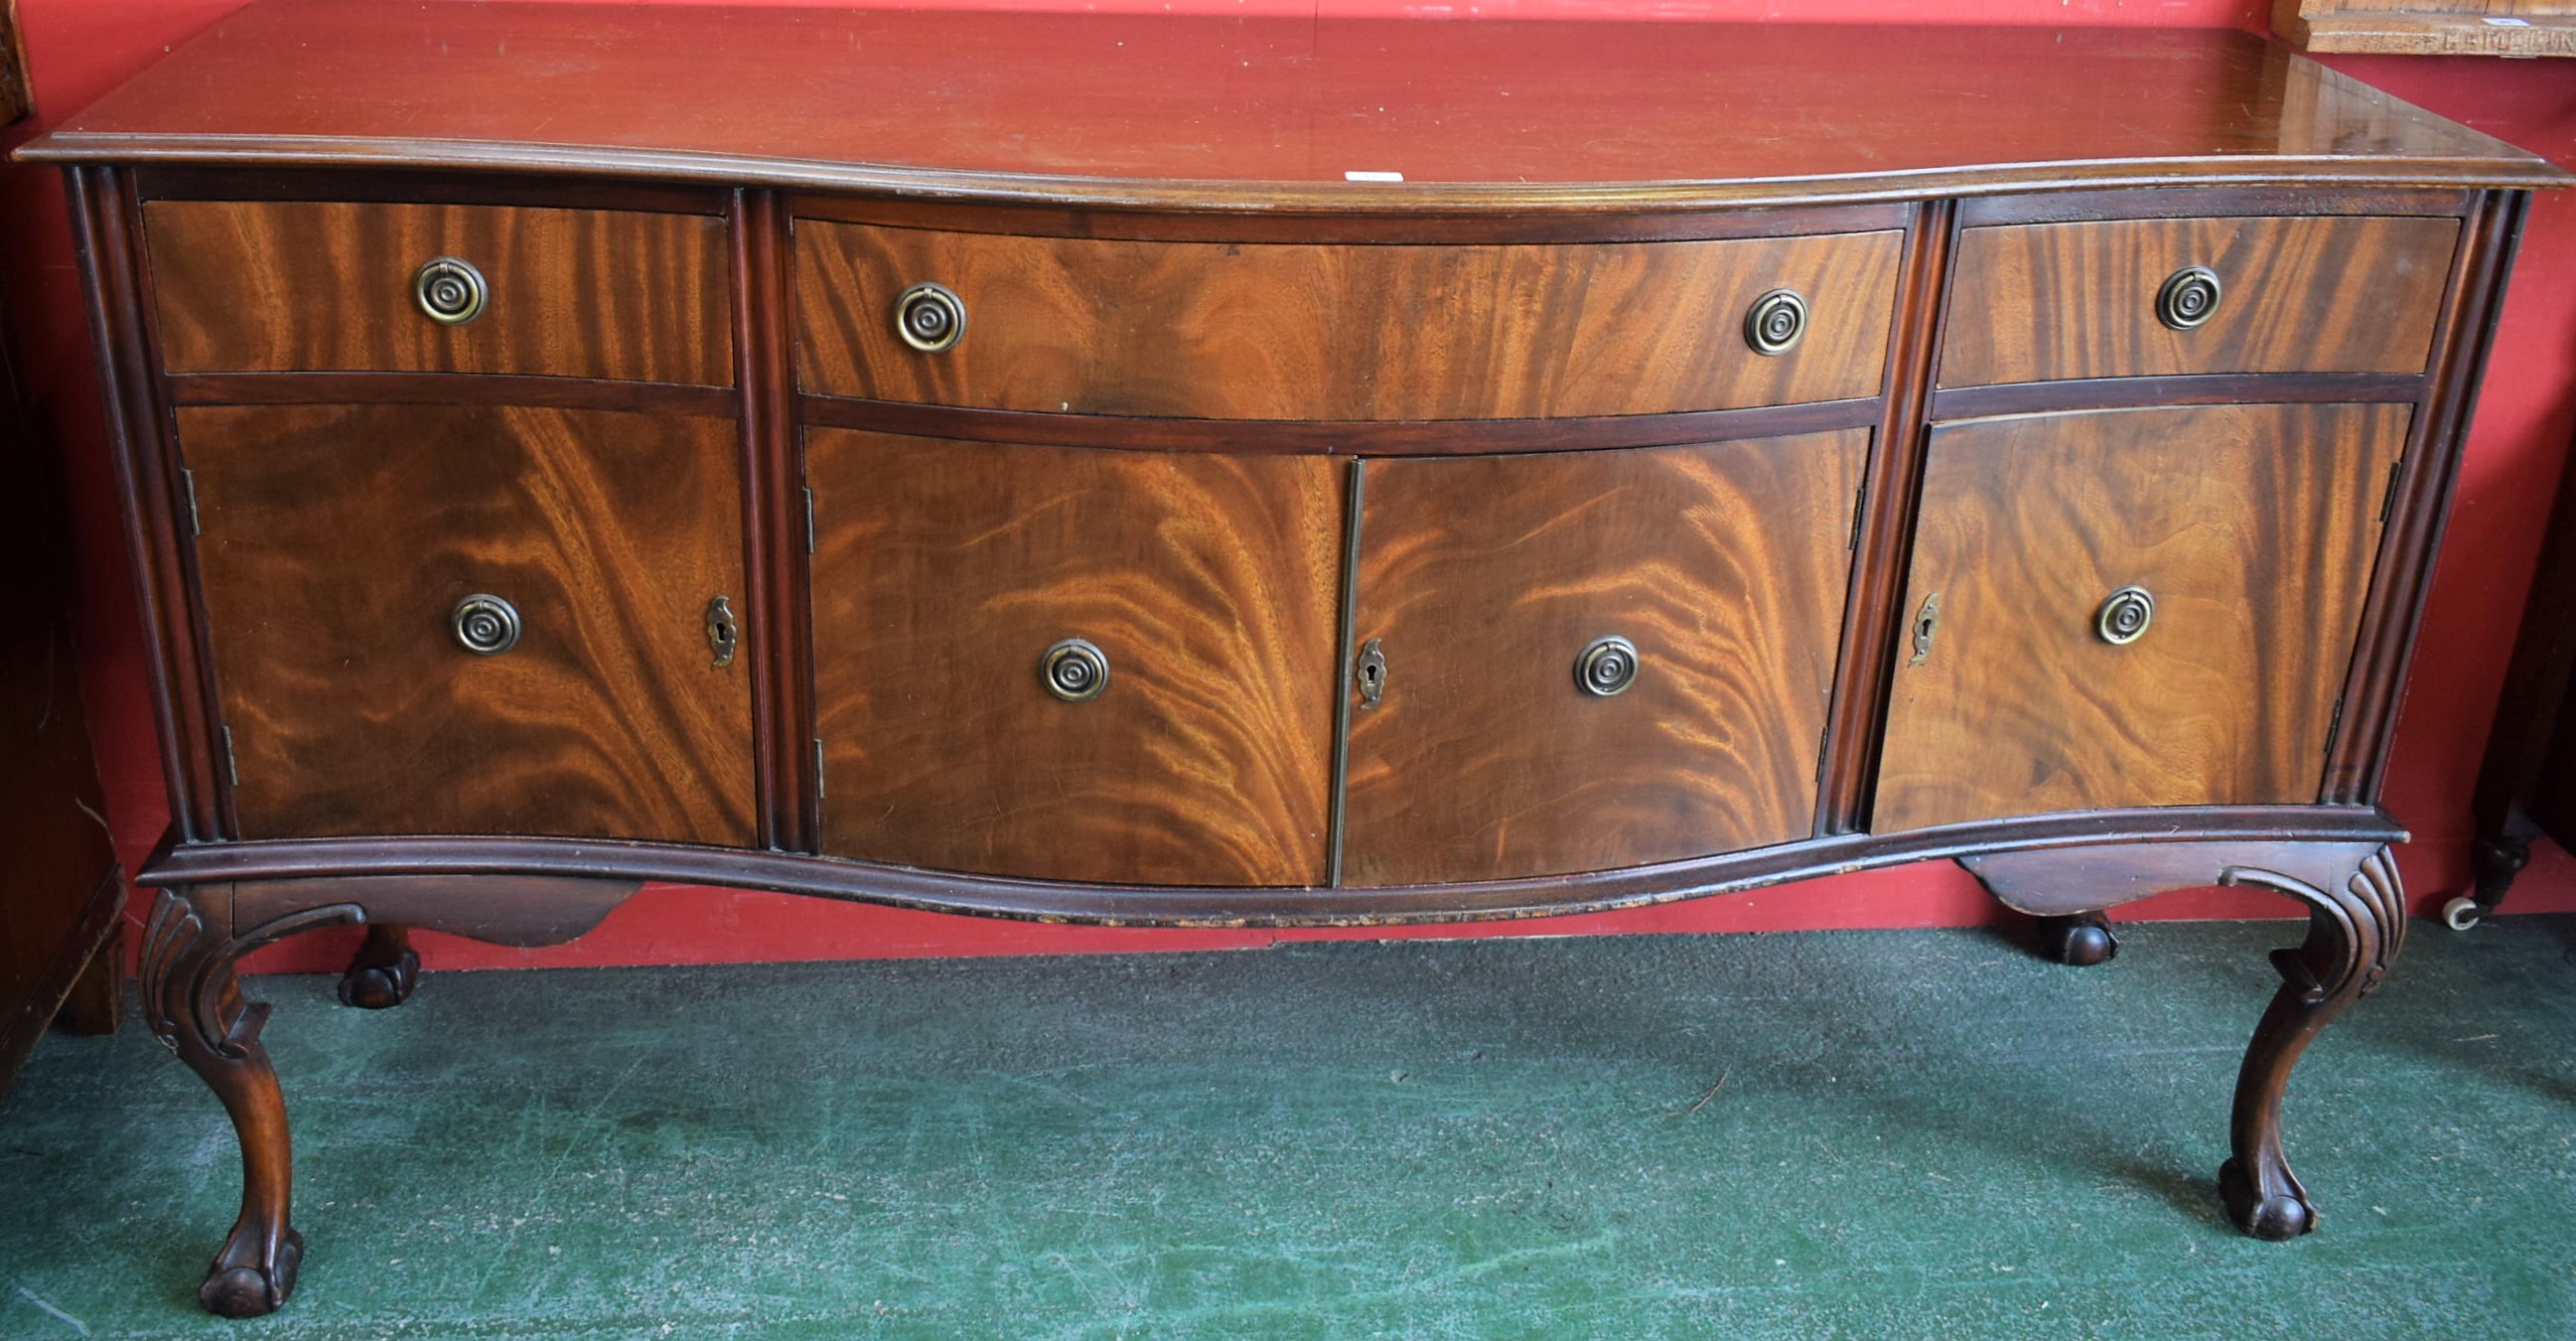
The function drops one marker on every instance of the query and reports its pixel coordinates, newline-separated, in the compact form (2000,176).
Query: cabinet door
(338,544)
(1199,748)
(2241,535)
(1484,581)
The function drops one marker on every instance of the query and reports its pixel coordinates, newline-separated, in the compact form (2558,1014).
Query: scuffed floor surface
(1851,1133)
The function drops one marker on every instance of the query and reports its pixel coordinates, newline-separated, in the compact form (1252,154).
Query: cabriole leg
(2356,917)
(2354,930)
(383,971)
(196,1009)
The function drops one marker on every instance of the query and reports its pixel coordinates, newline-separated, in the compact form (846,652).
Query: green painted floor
(1828,1134)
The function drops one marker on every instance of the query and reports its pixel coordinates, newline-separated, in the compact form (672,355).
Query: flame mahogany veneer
(1377,472)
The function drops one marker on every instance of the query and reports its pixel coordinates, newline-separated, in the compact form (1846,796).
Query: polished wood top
(1266,114)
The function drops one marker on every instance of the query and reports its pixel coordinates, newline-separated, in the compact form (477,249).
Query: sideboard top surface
(1264,113)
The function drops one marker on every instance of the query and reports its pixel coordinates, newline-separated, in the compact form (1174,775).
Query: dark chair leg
(2083,939)
(2353,933)
(96,1003)
(2496,858)
(383,972)
(195,1007)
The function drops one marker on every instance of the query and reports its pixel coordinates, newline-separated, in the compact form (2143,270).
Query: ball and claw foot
(2274,1219)
(239,1286)
(2083,940)
(383,972)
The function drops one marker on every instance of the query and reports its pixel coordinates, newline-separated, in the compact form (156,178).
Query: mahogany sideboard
(1176,472)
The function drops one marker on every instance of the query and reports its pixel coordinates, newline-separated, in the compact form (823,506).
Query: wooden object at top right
(2429,27)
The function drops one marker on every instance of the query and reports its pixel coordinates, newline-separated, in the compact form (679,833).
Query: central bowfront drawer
(1342,332)
(336,286)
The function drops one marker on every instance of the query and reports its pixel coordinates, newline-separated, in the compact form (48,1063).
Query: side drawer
(1281,331)
(474,620)
(2063,301)
(298,286)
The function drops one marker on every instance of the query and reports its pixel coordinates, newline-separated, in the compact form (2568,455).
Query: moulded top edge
(1285,197)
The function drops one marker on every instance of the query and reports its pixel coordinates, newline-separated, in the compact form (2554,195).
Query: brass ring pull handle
(1776,323)
(2188,299)
(930,317)
(1608,666)
(449,291)
(1074,671)
(486,626)
(2125,615)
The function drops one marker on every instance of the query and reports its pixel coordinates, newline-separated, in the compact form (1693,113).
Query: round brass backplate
(2125,615)
(449,291)
(1074,671)
(1608,666)
(486,626)
(2189,298)
(930,317)
(1776,322)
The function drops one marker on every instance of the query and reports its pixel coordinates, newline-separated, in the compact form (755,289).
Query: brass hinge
(188,481)
(232,762)
(2388,500)
(818,768)
(809,528)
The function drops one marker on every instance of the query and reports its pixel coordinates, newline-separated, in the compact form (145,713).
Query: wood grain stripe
(1888,493)
(107,231)
(1453,437)
(2386,643)
(406,388)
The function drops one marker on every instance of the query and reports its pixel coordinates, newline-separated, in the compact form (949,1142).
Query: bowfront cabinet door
(1587,660)
(1075,664)
(2132,608)
(442,619)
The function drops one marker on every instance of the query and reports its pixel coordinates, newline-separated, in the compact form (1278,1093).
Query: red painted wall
(80,48)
